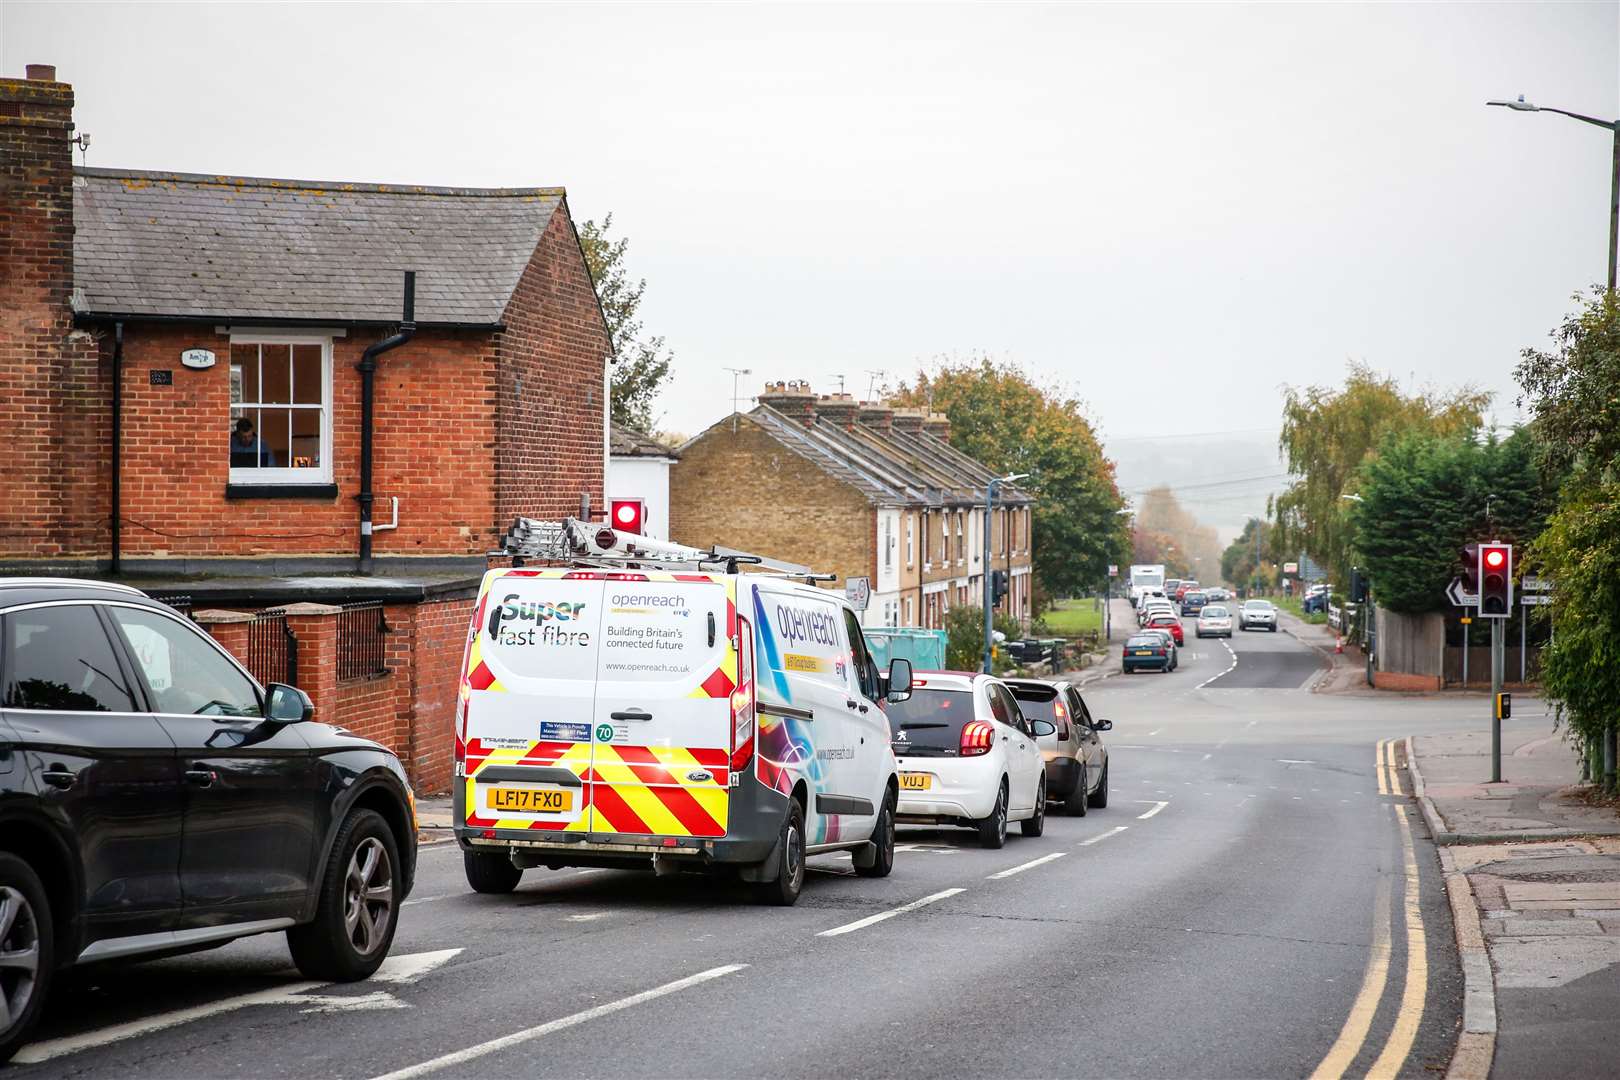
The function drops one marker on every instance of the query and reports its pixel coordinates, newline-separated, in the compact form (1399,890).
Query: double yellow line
(1409,1015)
(1389,776)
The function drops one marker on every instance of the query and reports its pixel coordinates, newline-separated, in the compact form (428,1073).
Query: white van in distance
(670,720)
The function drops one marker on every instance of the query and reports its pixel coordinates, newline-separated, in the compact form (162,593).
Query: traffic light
(628,515)
(1470,570)
(1358,585)
(998,587)
(1495,580)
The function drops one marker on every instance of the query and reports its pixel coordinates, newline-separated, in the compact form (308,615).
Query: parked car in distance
(1193,601)
(1183,589)
(1171,586)
(1215,620)
(1153,611)
(1167,622)
(1076,759)
(1170,643)
(968,757)
(1217,595)
(155,799)
(1257,615)
(1146,652)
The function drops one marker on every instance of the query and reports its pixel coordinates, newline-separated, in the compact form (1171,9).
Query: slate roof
(893,468)
(182,245)
(628,442)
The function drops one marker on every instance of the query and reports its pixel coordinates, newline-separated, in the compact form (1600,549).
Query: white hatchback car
(1215,620)
(967,756)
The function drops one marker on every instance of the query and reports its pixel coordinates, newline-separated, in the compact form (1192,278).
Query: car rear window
(1214,611)
(1145,641)
(1037,702)
(930,722)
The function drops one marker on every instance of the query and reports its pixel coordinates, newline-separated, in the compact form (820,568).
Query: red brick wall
(440,634)
(433,447)
(53,391)
(549,445)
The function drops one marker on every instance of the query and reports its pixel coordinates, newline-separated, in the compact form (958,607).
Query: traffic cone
(1338,644)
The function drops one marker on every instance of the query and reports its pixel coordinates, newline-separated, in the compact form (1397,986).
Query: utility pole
(989,610)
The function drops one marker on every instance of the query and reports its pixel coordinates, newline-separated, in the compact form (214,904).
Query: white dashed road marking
(861,924)
(1157,806)
(1026,866)
(1115,831)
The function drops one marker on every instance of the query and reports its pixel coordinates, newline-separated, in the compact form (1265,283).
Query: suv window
(184,673)
(59,658)
(1077,707)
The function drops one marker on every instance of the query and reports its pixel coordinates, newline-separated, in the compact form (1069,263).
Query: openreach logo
(546,622)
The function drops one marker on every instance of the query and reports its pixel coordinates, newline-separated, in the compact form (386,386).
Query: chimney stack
(876,415)
(40,72)
(839,409)
(793,399)
(909,421)
(939,426)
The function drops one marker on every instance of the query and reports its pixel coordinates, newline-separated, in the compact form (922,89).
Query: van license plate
(531,800)
(915,781)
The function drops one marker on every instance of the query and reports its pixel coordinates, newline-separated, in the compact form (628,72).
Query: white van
(670,721)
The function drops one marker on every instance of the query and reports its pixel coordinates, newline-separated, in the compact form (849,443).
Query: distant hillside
(1222,479)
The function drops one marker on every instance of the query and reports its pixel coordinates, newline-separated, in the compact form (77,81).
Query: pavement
(1258,899)
(1534,875)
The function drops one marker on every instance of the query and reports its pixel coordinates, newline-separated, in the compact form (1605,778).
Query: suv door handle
(59,777)
(630,714)
(201,777)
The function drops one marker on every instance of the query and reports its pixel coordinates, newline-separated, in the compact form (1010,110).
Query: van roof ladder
(584,543)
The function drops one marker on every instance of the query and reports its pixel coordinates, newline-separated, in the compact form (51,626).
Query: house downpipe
(117,562)
(367,367)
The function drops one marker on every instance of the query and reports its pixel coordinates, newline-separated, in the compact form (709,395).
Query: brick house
(857,489)
(181,392)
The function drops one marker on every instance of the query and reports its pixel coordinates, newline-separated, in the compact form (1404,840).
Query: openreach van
(635,704)
(1143,577)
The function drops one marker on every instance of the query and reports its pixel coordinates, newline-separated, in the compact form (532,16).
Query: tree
(1423,496)
(964,638)
(1574,391)
(1193,550)
(1328,432)
(1244,556)
(1003,419)
(640,365)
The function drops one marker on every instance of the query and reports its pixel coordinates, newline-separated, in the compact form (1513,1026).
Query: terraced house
(223,387)
(857,489)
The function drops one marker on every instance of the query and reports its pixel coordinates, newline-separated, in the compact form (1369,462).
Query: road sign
(1532,583)
(1455,593)
(1534,599)
(1291,568)
(1113,569)
(859,592)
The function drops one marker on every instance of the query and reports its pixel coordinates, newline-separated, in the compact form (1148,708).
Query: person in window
(247,452)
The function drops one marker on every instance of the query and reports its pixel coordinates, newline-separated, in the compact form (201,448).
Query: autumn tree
(640,364)
(1000,417)
(1328,432)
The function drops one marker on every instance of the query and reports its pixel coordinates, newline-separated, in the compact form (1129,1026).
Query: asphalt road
(1248,905)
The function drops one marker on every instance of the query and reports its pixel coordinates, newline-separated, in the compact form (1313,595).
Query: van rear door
(530,690)
(663,726)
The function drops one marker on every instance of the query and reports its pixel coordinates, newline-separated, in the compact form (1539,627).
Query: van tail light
(977,735)
(743,699)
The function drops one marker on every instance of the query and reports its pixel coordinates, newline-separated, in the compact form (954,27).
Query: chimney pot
(793,399)
(40,72)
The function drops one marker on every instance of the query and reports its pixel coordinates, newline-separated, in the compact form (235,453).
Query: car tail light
(977,735)
(743,699)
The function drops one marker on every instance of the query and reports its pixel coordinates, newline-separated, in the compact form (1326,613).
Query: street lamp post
(1613,126)
(989,611)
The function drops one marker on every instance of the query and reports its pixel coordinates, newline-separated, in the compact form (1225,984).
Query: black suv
(155,800)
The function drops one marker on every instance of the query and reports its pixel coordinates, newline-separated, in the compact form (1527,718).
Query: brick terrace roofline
(225,180)
(245,321)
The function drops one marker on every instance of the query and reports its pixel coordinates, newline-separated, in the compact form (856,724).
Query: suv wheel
(993,829)
(783,890)
(359,901)
(491,872)
(882,860)
(26,956)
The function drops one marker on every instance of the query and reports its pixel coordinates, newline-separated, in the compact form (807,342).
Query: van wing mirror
(899,679)
(287,704)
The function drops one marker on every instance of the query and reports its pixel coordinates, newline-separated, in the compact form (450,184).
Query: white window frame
(287,475)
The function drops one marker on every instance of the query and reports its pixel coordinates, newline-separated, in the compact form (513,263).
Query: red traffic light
(628,515)
(1495,558)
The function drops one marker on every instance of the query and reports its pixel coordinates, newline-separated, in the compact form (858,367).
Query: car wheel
(355,917)
(993,829)
(784,889)
(26,959)
(1075,804)
(491,872)
(882,860)
(1099,799)
(1034,826)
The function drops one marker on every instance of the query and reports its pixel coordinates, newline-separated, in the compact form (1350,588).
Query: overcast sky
(1172,209)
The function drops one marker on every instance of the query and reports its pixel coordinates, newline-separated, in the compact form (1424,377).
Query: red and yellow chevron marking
(575,757)
(645,789)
